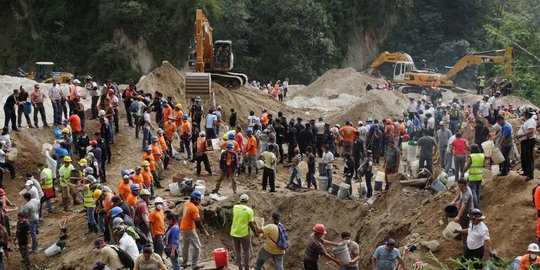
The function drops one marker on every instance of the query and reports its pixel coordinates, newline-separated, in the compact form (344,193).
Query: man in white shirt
(93,89)
(328,161)
(412,108)
(484,107)
(125,242)
(55,94)
(527,136)
(477,238)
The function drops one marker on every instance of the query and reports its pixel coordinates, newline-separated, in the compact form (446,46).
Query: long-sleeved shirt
(55,92)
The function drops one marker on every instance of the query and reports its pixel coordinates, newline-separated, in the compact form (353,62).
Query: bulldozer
(411,79)
(210,61)
(44,73)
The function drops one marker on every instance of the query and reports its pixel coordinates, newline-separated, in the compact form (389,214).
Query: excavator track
(230,80)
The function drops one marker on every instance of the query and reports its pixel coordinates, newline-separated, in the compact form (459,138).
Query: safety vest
(65,174)
(48,184)
(89,197)
(476,171)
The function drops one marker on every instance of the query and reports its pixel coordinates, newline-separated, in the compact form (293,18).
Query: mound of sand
(166,79)
(515,101)
(337,82)
(323,103)
(375,104)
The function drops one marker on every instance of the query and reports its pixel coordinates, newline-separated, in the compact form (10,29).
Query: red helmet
(2,192)
(388,121)
(319,228)
(296,150)
(93,142)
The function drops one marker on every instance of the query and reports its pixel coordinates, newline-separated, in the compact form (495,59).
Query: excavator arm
(386,57)
(203,41)
(477,59)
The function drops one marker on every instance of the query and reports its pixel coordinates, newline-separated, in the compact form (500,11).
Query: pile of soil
(376,104)
(336,82)
(166,79)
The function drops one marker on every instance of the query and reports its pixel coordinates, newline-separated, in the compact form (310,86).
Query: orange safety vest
(201,145)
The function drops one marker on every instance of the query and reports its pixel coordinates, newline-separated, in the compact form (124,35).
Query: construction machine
(45,73)
(411,79)
(211,61)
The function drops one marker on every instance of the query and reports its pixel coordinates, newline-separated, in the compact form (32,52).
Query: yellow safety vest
(89,197)
(65,174)
(476,171)
(48,179)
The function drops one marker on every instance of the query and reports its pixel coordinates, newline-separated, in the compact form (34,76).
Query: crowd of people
(276,89)
(138,227)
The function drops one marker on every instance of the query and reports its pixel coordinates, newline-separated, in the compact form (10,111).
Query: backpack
(134,107)
(137,235)
(454,114)
(283,238)
(376,132)
(126,260)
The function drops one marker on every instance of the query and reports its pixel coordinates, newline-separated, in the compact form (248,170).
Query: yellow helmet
(65,131)
(67,159)
(178,106)
(97,194)
(145,163)
(83,161)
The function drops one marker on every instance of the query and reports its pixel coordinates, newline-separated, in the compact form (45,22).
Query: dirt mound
(515,101)
(331,103)
(375,104)
(166,79)
(336,82)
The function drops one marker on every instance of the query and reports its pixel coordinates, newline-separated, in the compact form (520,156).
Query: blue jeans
(264,255)
(146,137)
(174,261)
(57,111)
(476,186)
(295,173)
(428,162)
(90,215)
(34,230)
(329,175)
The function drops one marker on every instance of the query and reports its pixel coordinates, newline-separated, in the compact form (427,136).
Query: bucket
(495,169)
(516,262)
(379,177)
(53,250)
(174,189)
(451,211)
(343,191)
(27,107)
(449,233)
(322,169)
(362,190)
(438,185)
(451,181)
(201,189)
(285,147)
(341,252)
(45,147)
(12,154)
(442,177)
(334,189)
(497,156)
(404,150)
(378,185)
(221,258)
(411,152)
(323,183)
(415,165)
(215,144)
(488,146)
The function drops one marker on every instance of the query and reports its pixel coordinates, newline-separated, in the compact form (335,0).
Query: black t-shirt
(10,102)
(232,119)
(23,96)
(23,230)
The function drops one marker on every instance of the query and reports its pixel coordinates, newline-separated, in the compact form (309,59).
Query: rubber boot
(90,229)
(249,171)
(95,228)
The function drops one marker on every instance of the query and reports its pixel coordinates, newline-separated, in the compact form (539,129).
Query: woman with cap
(527,136)
(477,238)
(315,248)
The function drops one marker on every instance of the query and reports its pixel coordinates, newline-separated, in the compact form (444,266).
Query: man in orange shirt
(178,116)
(185,137)
(137,177)
(264,119)
(149,156)
(157,225)
(75,124)
(164,148)
(348,134)
(124,187)
(167,111)
(133,197)
(156,151)
(251,151)
(231,137)
(148,179)
(200,154)
(191,220)
(170,129)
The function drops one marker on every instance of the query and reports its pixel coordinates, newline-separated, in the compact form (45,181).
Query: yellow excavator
(45,73)
(411,79)
(210,61)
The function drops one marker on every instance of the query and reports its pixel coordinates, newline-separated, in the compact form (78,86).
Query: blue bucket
(438,186)
(57,133)
(27,107)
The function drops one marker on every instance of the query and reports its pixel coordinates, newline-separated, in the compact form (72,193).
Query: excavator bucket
(198,84)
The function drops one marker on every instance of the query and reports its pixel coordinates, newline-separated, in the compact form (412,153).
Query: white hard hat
(533,248)
(158,200)
(29,183)
(76,81)
(244,198)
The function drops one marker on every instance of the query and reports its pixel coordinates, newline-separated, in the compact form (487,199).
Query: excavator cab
(223,56)
(44,70)
(400,68)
